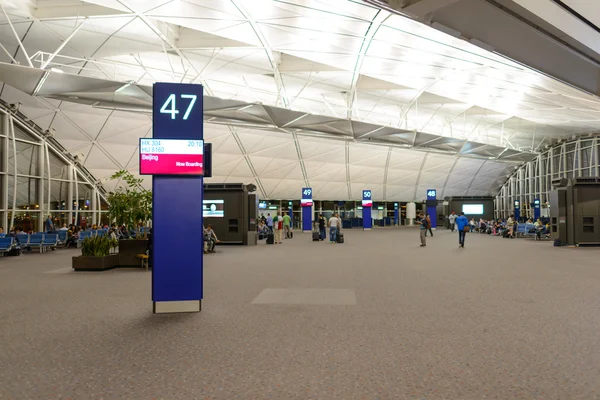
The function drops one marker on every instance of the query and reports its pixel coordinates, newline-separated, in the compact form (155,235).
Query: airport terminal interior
(299,199)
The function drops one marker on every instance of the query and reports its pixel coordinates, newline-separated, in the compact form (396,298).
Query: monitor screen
(262,205)
(472,209)
(213,208)
(171,157)
(367,203)
(306,202)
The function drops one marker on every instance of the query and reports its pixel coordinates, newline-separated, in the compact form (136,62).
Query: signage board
(171,157)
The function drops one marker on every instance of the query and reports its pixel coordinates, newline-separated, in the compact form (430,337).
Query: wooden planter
(128,251)
(88,263)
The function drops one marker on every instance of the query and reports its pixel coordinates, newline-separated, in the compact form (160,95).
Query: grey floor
(375,318)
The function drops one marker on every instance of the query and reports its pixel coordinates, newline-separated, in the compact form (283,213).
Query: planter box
(128,251)
(85,263)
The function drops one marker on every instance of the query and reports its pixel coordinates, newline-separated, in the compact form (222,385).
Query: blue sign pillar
(432,206)
(396,215)
(536,209)
(367,205)
(517,210)
(177,270)
(307,207)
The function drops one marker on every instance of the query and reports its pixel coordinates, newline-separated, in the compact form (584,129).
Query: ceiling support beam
(474,176)
(16,36)
(300,159)
(385,172)
(348,181)
(376,23)
(448,177)
(62,45)
(419,176)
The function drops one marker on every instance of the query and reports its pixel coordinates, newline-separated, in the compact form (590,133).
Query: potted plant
(131,205)
(96,254)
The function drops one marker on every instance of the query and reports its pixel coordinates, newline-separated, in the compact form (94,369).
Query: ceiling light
(58,71)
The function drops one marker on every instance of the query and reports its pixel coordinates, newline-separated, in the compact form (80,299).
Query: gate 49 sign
(306,200)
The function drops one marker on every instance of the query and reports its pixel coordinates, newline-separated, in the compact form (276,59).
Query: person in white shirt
(452,220)
(334,224)
(510,224)
(277,229)
(64,228)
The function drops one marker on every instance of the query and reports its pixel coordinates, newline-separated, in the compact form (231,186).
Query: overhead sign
(431,194)
(367,200)
(171,157)
(306,200)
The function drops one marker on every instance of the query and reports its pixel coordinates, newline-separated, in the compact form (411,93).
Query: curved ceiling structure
(344,63)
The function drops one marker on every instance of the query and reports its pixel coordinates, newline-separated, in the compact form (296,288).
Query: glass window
(59,193)
(84,219)
(103,204)
(104,219)
(20,133)
(26,192)
(27,158)
(27,220)
(84,196)
(58,168)
(570,162)
(60,219)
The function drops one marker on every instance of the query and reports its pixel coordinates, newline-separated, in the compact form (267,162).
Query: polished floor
(375,318)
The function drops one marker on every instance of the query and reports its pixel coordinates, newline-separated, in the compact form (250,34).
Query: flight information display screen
(171,157)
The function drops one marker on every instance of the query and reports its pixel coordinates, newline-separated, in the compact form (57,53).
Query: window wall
(533,180)
(39,179)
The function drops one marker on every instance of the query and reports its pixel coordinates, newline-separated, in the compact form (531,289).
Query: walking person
(277,228)
(322,231)
(462,224)
(428,219)
(423,232)
(333,228)
(452,220)
(287,221)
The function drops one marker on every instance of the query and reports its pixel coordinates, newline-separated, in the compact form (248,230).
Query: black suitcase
(270,238)
(290,235)
(316,236)
(340,237)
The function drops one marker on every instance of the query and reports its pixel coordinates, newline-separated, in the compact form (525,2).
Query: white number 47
(169,107)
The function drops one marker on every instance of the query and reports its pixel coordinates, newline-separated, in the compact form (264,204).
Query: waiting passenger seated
(210,240)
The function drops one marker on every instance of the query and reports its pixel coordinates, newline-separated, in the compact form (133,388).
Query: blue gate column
(517,210)
(367,205)
(432,206)
(396,215)
(307,210)
(177,270)
(536,209)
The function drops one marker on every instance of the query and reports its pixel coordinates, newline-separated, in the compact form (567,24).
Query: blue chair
(36,241)
(62,236)
(23,239)
(6,244)
(2,235)
(82,236)
(50,241)
(101,233)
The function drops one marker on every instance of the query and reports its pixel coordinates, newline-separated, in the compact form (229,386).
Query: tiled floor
(375,318)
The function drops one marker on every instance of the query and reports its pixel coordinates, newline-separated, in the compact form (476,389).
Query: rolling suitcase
(316,236)
(340,237)
(270,238)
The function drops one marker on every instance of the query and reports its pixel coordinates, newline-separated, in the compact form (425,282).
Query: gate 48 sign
(431,194)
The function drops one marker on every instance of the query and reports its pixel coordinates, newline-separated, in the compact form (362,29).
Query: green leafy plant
(130,205)
(98,246)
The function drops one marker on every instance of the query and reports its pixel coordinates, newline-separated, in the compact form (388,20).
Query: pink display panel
(171,157)
(306,202)
(367,203)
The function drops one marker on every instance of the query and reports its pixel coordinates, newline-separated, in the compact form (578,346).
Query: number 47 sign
(170,107)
